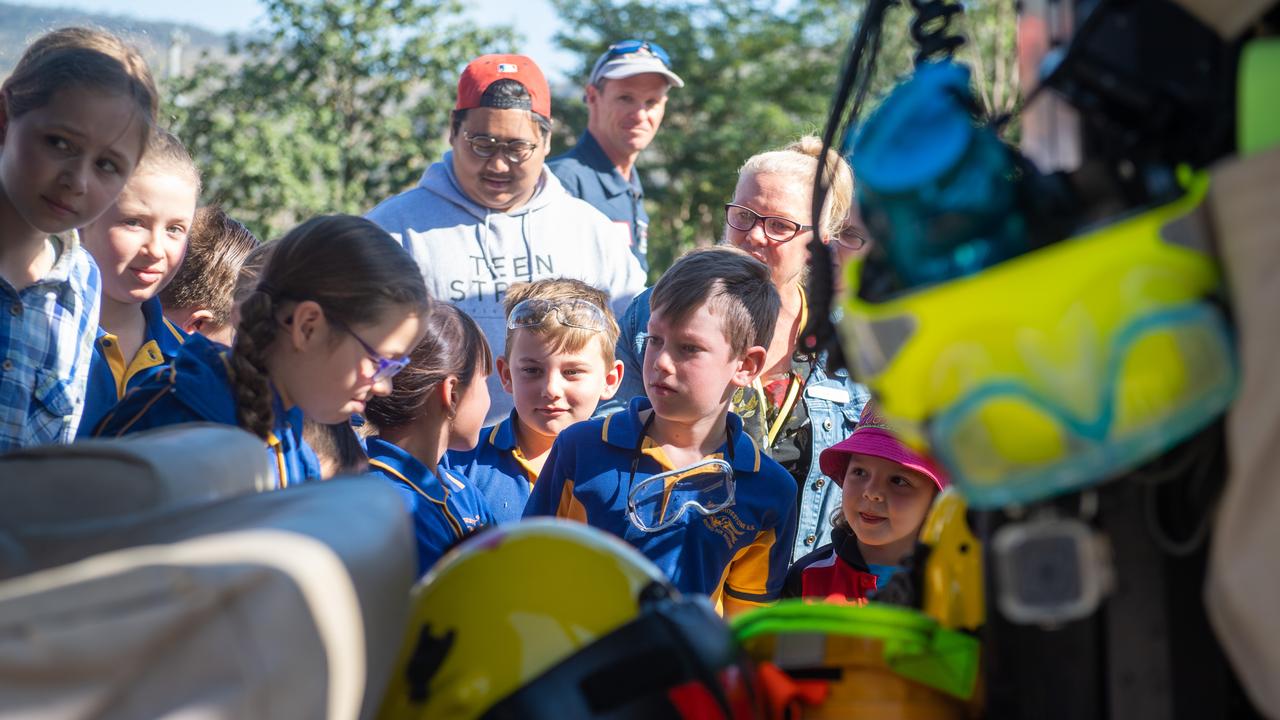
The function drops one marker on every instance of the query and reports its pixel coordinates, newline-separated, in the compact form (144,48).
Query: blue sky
(535,20)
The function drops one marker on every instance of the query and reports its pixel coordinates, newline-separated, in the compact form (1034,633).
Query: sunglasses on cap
(623,48)
(570,313)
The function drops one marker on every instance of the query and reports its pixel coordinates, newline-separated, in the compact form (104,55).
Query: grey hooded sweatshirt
(470,255)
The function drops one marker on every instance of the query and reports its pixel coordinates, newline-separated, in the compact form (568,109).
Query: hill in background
(20,24)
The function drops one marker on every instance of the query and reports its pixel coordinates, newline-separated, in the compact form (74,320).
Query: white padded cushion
(289,604)
(59,503)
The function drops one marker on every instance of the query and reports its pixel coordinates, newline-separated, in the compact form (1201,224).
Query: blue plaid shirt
(46,344)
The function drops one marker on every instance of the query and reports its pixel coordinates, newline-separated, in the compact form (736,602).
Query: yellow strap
(793,387)
(273,442)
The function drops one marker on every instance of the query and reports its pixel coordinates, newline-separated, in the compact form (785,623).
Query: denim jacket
(833,403)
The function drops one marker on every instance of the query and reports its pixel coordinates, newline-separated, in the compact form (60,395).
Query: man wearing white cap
(626,99)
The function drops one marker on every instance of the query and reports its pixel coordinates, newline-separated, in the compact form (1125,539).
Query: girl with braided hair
(336,311)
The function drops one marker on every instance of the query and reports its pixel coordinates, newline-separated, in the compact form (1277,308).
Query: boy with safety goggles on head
(674,474)
(558,364)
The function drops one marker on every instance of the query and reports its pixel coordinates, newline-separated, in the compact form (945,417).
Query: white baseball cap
(633,57)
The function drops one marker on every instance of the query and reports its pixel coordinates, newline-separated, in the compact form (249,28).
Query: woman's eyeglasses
(851,237)
(777,229)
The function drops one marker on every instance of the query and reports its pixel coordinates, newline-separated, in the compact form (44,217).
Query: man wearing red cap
(490,214)
(626,100)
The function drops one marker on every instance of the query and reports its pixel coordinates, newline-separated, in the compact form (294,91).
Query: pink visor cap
(874,436)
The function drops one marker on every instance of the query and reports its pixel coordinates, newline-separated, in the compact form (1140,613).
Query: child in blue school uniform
(336,311)
(139,243)
(437,404)
(75,116)
(558,366)
(713,314)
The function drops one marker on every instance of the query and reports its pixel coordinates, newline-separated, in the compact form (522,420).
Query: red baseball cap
(488,69)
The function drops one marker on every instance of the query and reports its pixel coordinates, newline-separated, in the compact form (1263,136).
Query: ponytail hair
(84,58)
(348,266)
(454,346)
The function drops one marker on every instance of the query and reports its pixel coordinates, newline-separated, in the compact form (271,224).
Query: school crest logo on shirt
(728,526)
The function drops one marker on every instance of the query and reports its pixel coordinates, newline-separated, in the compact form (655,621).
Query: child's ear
(197,321)
(612,380)
(750,365)
(304,323)
(504,373)
(449,396)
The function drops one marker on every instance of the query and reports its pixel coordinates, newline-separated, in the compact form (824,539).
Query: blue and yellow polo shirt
(738,557)
(111,376)
(196,387)
(498,469)
(444,508)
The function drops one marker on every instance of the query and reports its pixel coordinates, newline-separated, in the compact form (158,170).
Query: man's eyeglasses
(777,229)
(385,368)
(570,313)
(485,147)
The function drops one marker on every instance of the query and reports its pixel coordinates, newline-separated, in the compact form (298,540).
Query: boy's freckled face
(689,366)
(554,389)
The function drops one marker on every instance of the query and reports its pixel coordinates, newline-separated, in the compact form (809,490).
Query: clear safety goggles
(661,500)
(579,314)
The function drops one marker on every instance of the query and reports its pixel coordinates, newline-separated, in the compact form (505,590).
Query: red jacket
(834,572)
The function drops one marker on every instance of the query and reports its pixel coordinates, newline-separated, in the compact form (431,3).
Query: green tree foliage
(341,104)
(758,74)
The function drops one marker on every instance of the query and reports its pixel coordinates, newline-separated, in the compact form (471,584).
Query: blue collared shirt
(741,552)
(196,387)
(833,403)
(111,376)
(46,341)
(587,173)
(444,507)
(497,469)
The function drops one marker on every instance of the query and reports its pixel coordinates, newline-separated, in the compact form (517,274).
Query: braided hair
(348,266)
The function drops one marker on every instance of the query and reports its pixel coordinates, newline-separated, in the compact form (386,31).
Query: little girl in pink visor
(887,491)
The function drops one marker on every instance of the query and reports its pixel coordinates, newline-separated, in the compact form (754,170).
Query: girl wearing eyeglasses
(437,404)
(337,308)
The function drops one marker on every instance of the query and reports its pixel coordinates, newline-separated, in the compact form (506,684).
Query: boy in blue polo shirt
(139,243)
(713,315)
(558,366)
